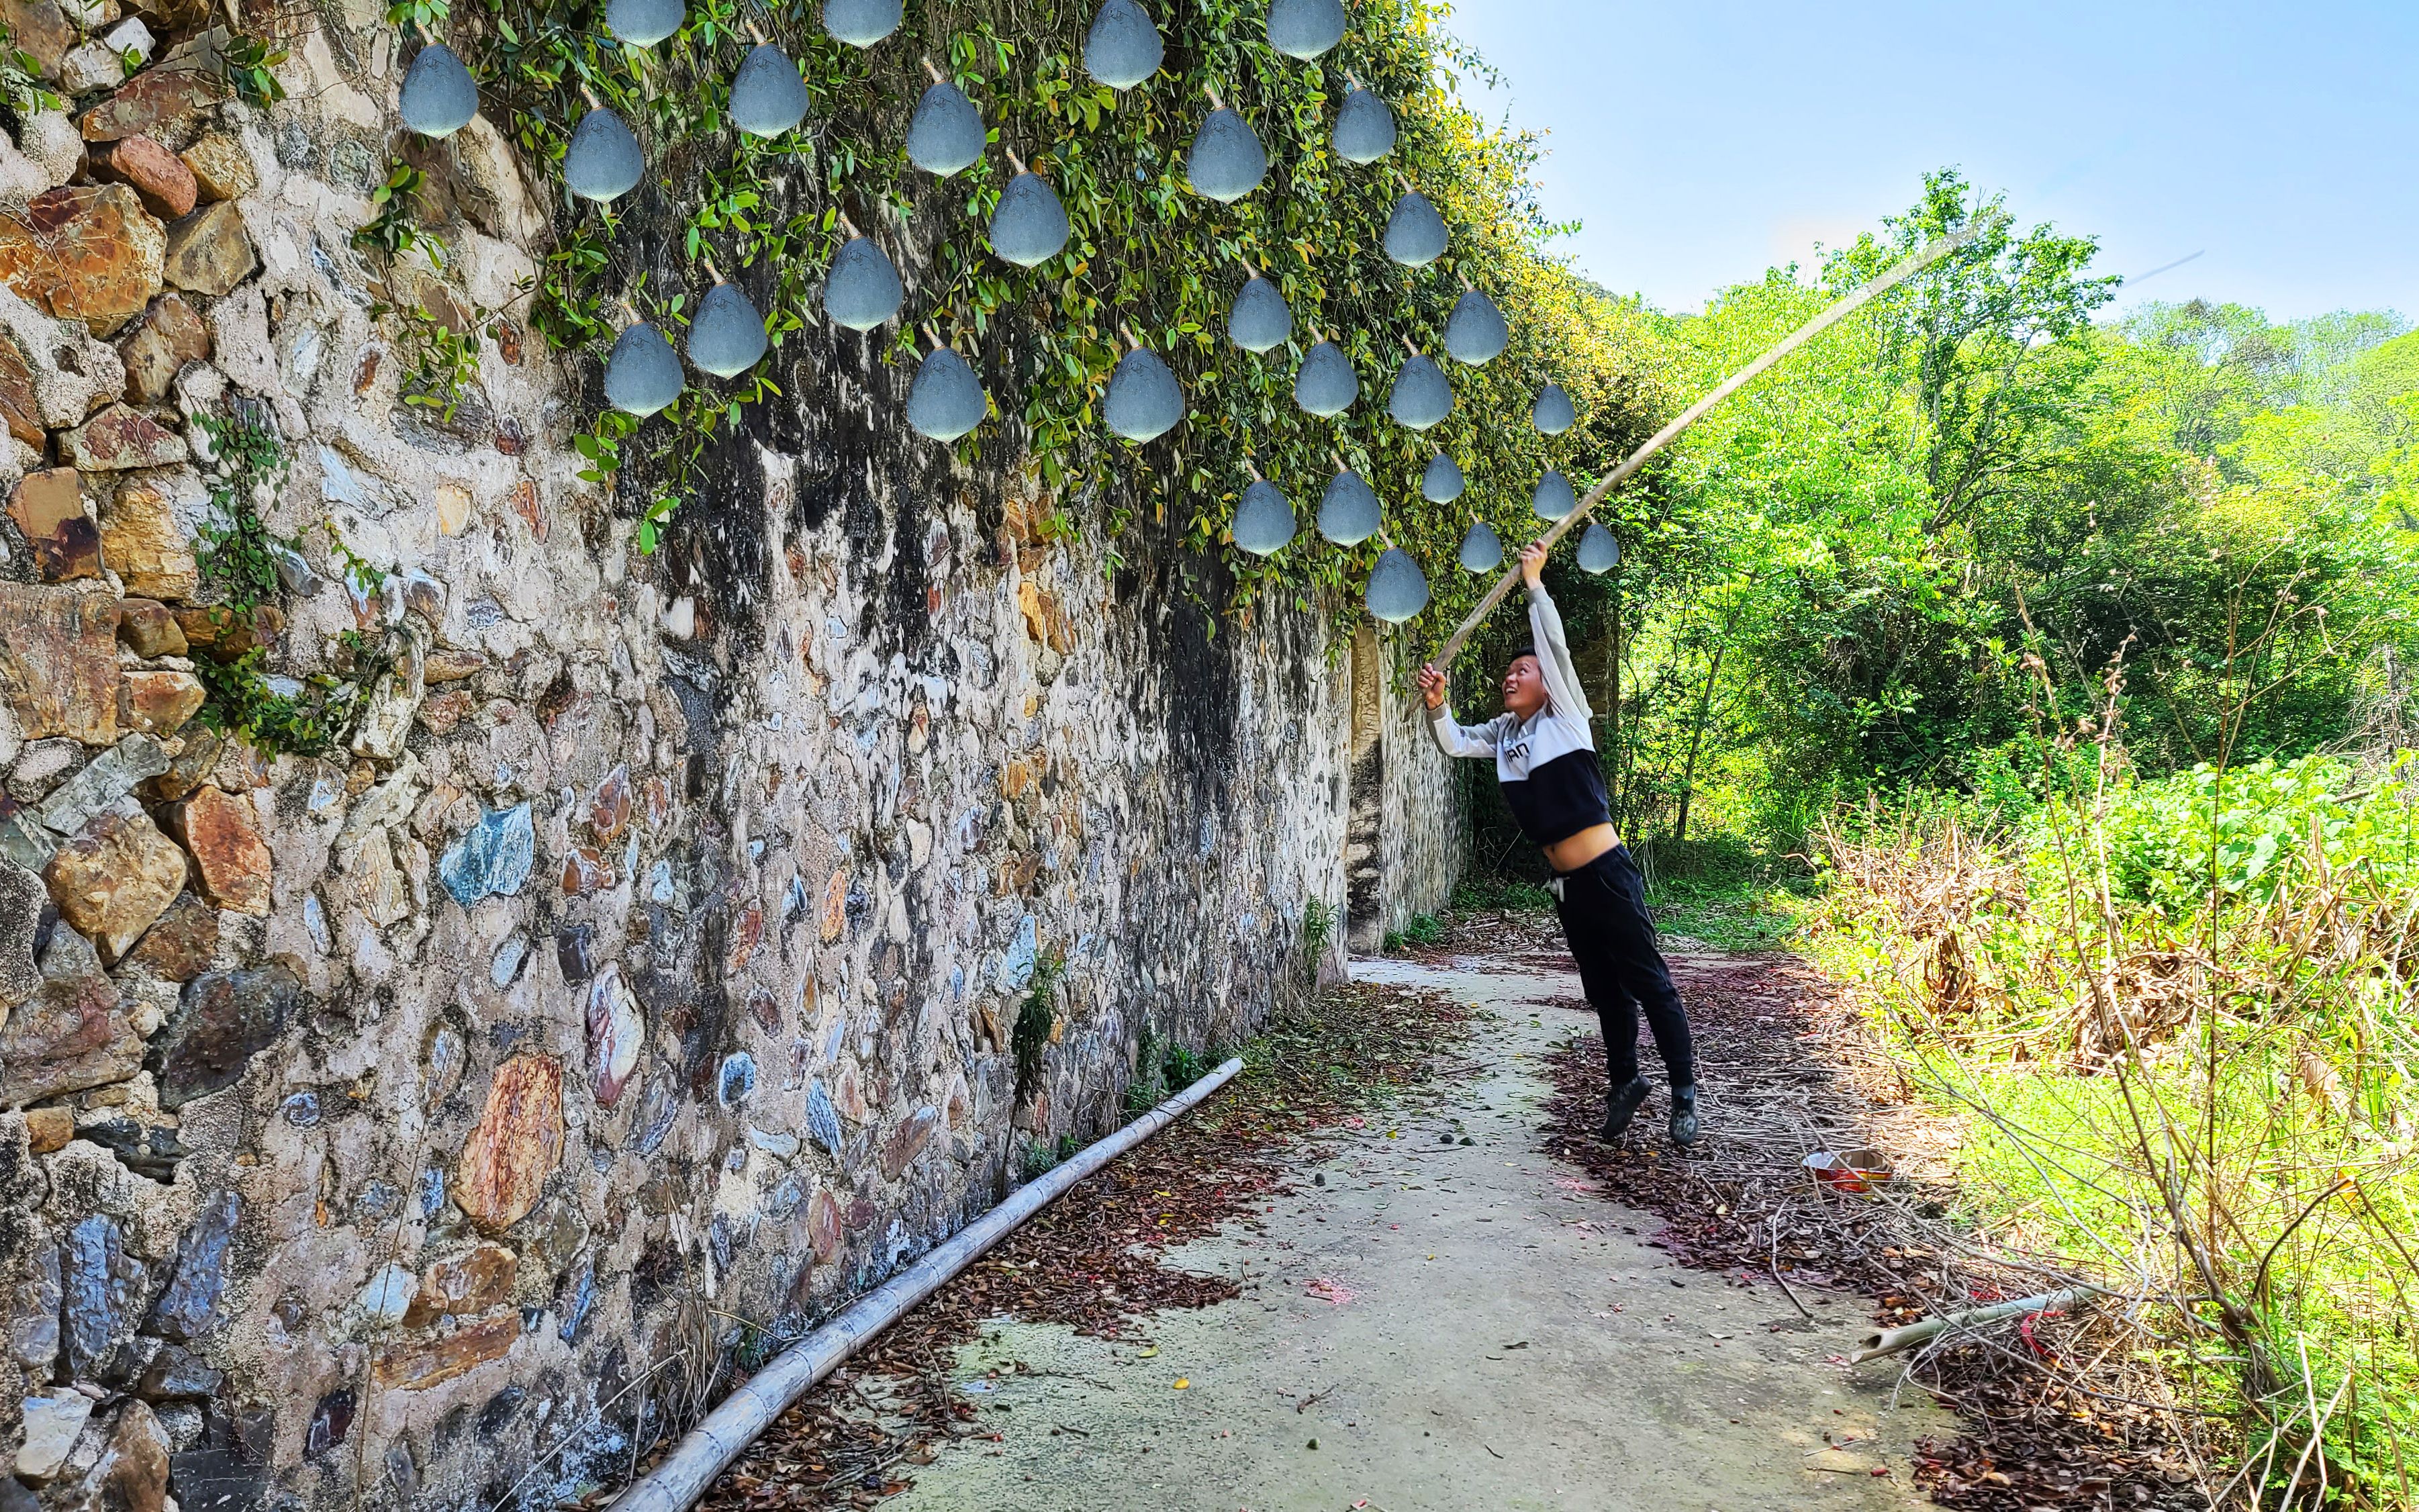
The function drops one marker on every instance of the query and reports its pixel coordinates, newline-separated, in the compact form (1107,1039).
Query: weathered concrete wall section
(382,1125)
(1426,833)
(1406,828)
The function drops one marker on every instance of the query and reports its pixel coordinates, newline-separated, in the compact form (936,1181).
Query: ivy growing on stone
(1146,251)
(251,69)
(21,94)
(439,361)
(1034,1019)
(394,230)
(236,546)
(239,556)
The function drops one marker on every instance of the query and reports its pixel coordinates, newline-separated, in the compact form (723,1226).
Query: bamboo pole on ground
(1882,1342)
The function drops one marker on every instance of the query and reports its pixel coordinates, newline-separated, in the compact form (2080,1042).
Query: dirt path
(1456,1320)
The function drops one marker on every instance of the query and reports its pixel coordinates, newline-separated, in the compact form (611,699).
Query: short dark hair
(1530,652)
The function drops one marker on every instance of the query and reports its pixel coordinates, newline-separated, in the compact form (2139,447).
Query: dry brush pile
(2175,1023)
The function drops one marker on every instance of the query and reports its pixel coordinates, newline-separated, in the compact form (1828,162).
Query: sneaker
(1622,1107)
(1684,1115)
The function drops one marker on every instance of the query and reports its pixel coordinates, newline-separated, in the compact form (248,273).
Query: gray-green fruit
(1364,128)
(1477,332)
(1325,385)
(860,22)
(1124,48)
(1420,395)
(1398,588)
(1028,226)
(1305,28)
(946,135)
(862,289)
(645,23)
(1554,413)
(1261,321)
(1480,551)
(603,161)
(438,96)
(1598,550)
(1226,162)
(643,375)
(946,400)
(1264,519)
(767,97)
(1415,233)
(726,338)
(1144,401)
(1554,497)
(1348,512)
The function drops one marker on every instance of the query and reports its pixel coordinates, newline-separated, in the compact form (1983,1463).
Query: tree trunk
(1613,691)
(1696,741)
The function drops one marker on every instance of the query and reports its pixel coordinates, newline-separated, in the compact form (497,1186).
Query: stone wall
(402,1123)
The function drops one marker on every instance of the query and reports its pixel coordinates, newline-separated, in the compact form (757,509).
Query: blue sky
(1704,142)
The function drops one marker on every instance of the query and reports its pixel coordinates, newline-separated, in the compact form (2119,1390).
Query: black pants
(1612,936)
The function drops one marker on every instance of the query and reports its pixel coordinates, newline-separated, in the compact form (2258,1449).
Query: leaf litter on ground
(1095,1260)
(1781,1073)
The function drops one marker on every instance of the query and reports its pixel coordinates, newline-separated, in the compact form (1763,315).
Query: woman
(1545,756)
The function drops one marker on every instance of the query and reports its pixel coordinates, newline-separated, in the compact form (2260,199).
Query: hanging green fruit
(439,98)
(1398,588)
(1415,233)
(1420,395)
(1326,385)
(1264,519)
(1226,162)
(1598,550)
(1028,226)
(1442,483)
(1144,402)
(947,401)
(1364,127)
(643,375)
(1554,497)
(1260,321)
(1554,413)
(726,338)
(1476,332)
(1124,48)
(645,23)
(945,134)
(1480,551)
(1305,28)
(860,22)
(767,97)
(603,161)
(862,290)
(1348,512)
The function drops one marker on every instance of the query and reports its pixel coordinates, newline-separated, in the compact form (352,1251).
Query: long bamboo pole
(1845,307)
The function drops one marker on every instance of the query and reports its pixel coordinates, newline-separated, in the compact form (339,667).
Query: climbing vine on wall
(245,563)
(1146,253)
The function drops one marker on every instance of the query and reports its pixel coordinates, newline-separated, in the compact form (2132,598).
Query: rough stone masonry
(634,982)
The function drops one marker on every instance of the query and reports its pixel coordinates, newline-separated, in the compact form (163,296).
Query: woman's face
(1524,687)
